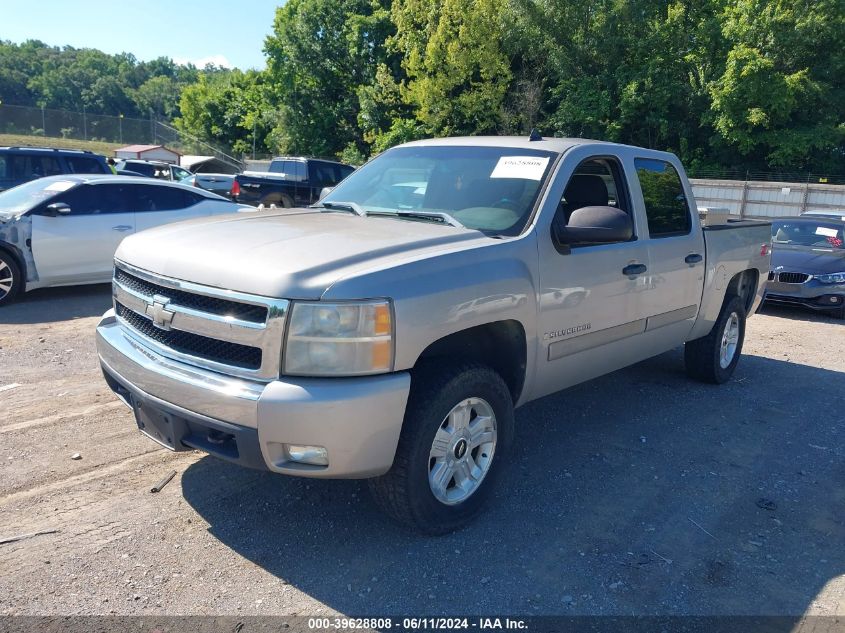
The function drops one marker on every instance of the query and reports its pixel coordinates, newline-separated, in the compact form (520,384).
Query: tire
(713,358)
(439,394)
(280,200)
(11,279)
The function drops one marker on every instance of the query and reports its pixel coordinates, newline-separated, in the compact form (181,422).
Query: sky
(224,32)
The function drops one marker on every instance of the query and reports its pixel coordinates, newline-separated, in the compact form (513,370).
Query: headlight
(831,278)
(339,339)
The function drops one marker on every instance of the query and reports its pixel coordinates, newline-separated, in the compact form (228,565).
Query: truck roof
(550,144)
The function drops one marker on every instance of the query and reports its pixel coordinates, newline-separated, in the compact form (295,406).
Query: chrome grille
(234,333)
(212,305)
(194,344)
(792,278)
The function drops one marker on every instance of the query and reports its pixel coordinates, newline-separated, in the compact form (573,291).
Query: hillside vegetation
(751,84)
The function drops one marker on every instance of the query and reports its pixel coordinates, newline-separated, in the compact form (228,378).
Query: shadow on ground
(47,305)
(637,493)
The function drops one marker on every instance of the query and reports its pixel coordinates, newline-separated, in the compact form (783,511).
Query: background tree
(779,101)
(320,53)
(457,70)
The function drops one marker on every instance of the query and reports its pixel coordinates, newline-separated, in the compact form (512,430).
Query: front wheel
(713,358)
(10,278)
(457,430)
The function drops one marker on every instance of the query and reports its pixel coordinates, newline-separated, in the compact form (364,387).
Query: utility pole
(120,127)
(43,123)
(84,125)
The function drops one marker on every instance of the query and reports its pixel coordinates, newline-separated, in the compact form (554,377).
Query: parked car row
(22,164)
(64,230)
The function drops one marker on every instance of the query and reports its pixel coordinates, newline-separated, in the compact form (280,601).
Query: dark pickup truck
(290,182)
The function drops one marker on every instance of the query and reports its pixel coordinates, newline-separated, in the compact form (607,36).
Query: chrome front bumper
(357,420)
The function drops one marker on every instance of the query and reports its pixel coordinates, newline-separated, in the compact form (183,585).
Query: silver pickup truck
(389,331)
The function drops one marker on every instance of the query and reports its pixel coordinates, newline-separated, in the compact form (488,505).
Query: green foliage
(457,72)
(228,108)
(754,84)
(319,55)
(780,99)
(35,74)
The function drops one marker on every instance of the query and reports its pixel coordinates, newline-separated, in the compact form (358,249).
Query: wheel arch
(14,252)
(501,345)
(744,285)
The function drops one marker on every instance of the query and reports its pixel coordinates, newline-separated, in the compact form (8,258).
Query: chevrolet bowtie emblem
(158,312)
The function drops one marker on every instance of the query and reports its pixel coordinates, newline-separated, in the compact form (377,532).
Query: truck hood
(292,254)
(805,259)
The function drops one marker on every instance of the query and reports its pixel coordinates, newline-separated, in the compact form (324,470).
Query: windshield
(492,189)
(812,233)
(22,198)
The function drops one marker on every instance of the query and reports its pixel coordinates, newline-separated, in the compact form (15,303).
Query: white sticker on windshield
(61,185)
(525,167)
(823,230)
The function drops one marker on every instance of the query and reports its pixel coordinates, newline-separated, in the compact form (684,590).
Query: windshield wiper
(434,216)
(354,207)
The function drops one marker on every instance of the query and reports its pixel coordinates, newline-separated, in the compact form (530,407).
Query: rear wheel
(10,278)
(280,200)
(457,430)
(713,358)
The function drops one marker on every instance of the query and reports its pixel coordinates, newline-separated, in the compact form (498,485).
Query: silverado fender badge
(548,336)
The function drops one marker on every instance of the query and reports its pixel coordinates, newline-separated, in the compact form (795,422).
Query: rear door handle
(121,228)
(693,258)
(634,269)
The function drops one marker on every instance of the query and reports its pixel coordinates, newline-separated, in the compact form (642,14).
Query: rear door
(592,312)
(79,247)
(157,204)
(675,246)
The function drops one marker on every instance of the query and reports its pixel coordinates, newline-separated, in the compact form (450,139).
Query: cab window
(596,182)
(665,201)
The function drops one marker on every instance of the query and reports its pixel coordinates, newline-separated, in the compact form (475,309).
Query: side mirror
(57,208)
(595,225)
(324,192)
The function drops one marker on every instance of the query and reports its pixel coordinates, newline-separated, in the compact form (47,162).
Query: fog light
(314,455)
(834,299)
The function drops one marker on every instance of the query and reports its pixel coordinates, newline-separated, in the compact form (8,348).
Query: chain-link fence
(82,126)
(767,176)
(40,125)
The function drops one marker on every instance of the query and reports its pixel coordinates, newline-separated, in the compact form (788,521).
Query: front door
(79,247)
(592,313)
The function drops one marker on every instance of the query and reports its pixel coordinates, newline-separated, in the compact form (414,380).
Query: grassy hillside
(106,149)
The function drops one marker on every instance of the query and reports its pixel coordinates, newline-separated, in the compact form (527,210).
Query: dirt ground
(638,493)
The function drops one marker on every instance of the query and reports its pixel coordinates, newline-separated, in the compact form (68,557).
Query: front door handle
(632,270)
(121,228)
(693,258)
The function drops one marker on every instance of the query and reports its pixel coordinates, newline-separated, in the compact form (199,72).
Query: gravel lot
(638,493)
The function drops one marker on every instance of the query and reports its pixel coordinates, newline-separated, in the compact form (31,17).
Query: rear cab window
(666,206)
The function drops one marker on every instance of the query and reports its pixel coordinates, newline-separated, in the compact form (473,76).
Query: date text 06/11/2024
(416,624)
